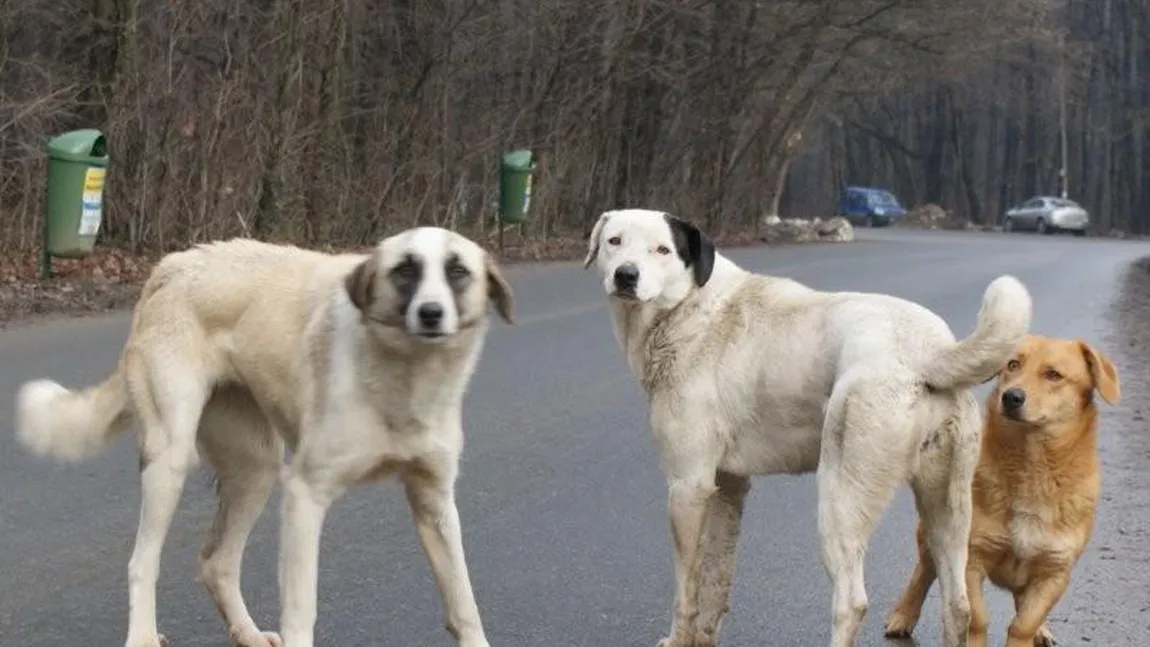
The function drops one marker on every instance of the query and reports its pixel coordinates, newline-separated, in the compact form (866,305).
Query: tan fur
(1034,492)
(239,348)
(750,375)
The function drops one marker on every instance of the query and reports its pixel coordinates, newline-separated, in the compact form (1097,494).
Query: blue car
(869,206)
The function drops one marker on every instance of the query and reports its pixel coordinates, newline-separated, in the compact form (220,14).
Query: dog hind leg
(246,453)
(942,490)
(168,405)
(860,466)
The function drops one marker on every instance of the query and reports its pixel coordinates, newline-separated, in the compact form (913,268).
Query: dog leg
(846,521)
(860,466)
(979,618)
(246,453)
(167,451)
(688,500)
(720,538)
(1044,637)
(431,496)
(1032,607)
(946,510)
(305,504)
(902,620)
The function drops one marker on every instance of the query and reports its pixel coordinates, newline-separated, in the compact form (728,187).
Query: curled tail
(1003,322)
(52,420)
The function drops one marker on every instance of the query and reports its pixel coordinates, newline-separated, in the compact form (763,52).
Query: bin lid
(519,160)
(86,145)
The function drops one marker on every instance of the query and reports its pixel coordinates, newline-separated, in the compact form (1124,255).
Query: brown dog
(1034,491)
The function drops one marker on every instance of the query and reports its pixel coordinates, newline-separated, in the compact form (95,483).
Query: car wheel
(1040,227)
(868,222)
(1008,225)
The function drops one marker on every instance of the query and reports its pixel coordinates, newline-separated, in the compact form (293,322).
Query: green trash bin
(77,163)
(515,186)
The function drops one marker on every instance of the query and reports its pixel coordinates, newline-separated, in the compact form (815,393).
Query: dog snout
(1013,399)
(430,315)
(626,277)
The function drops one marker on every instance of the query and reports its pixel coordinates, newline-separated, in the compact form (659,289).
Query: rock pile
(775,230)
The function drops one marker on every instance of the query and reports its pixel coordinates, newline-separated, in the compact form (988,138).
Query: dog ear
(499,291)
(1103,372)
(697,251)
(593,240)
(360,283)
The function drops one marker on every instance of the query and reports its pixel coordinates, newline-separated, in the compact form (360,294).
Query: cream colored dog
(358,362)
(749,374)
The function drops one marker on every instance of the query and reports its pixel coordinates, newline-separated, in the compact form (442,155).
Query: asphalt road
(561,495)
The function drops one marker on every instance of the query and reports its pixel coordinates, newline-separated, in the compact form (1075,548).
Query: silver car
(1046,215)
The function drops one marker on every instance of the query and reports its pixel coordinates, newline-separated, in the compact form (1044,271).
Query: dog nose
(626,276)
(1013,398)
(430,314)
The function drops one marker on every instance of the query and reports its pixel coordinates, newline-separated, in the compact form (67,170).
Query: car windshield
(883,197)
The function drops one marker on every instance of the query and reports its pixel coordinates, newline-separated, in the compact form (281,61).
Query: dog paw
(1044,638)
(154,641)
(256,639)
(898,625)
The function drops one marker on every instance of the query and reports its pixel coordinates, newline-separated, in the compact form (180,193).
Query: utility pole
(1062,115)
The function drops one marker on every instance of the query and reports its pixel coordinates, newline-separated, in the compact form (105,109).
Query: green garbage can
(515,186)
(77,162)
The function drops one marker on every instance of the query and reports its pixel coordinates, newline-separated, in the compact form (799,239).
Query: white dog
(358,362)
(749,374)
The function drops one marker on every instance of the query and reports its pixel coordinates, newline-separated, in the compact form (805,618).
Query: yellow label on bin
(92,202)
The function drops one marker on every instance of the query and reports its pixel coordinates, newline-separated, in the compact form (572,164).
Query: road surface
(561,495)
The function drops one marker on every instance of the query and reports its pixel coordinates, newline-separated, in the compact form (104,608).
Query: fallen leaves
(107,279)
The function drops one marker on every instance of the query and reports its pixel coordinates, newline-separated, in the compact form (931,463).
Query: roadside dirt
(1112,595)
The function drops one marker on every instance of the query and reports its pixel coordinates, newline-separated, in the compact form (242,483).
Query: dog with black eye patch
(357,362)
(1035,489)
(748,374)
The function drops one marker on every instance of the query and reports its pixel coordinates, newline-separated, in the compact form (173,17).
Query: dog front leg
(305,505)
(979,617)
(1031,608)
(687,506)
(717,564)
(432,499)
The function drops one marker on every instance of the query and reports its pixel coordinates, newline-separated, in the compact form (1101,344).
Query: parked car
(869,206)
(1046,215)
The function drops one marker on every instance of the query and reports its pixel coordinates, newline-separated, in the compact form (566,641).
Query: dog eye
(457,272)
(614,240)
(1053,375)
(1013,365)
(663,250)
(404,270)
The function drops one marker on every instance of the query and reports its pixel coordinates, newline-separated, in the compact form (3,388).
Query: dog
(357,362)
(1034,492)
(748,374)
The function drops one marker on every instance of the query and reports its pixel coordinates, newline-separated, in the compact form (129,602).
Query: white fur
(750,375)
(241,347)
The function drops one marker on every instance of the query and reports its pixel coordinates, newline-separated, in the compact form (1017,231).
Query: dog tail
(1003,322)
(54,421)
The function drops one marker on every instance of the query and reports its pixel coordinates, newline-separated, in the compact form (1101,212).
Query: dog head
(1049,382)
(649,256)
(430,283)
